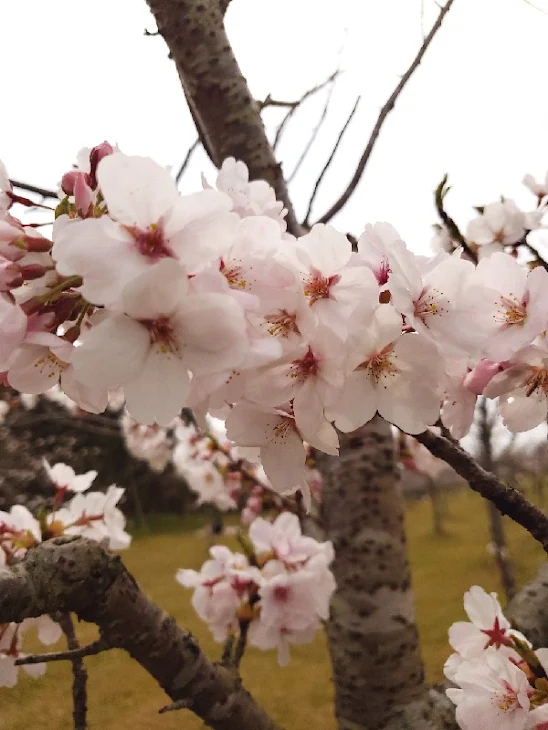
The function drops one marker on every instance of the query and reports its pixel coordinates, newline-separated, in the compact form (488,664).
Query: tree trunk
(373,637)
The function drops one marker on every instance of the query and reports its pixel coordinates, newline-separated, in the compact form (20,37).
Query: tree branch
(226,116)
(44,192)
(448,222)
(77,652)
(79,674)
(293,109)
(314,133)
(185,162)
(386,109)
(507,500)
(72,574)
(329,161)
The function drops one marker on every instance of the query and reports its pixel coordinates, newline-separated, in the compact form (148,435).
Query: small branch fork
(386,109)
(73,574)
(448,222)
(507,500)
(294,105)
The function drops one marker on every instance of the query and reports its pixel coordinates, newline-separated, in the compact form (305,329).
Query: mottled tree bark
(528,610)
(73,574)
(224,111)
(373,637)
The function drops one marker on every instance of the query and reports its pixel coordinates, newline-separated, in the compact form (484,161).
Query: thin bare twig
(44,192)
(77,652)
(507,500)
(386,109)
(185,162)
(285,121)
(241,645)
(79,674)
(314,133)
(448,222)
(179,705)
(329,161)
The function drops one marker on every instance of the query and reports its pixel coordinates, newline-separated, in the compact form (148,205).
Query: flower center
(281,594)
(431,303)
(508,702)
(511,310)
(282,324)
(318,287)
(151,242)
(161,334)
(304,368)
(497,636)
(380,366)
(383,272)
(233,274)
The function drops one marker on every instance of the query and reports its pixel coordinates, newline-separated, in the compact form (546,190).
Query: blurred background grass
(123,697)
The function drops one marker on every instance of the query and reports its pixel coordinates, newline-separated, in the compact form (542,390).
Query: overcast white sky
(75,73)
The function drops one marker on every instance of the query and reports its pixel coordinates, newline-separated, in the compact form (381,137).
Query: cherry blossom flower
(510,305)
(249,198)
(93,515)
(387,375)
(487,627)
(274,430)
(221,586)
(494,693)
(332,287)
(500,222)
(165,331)
(65,480)
(283,538)
(147,222)
(522,389)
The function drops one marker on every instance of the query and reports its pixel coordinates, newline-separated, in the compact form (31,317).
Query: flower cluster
(204,301)
(501,682)
(278,593)
(91,514)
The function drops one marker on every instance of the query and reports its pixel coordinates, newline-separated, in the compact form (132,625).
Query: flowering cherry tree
(299,338)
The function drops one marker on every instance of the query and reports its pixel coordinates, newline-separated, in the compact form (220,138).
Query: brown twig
(386,109)
(75,651)
(329,161)
(295,105)
(314,133)
(507,500)
(44,192)
(185,162)
(452,228)
(239,651)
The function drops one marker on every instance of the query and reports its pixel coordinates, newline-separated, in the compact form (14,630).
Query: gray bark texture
(528,610)
(225,113)
(373,637)
(73,574)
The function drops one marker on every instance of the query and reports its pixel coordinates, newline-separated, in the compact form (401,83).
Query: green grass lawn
(123,697)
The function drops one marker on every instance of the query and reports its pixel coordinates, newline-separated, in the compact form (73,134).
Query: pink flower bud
(83,194)
(95,157)
(478,378)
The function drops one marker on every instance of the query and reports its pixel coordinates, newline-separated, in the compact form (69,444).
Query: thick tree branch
(507,500)
(386,109)
(226,115)
(72,574)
